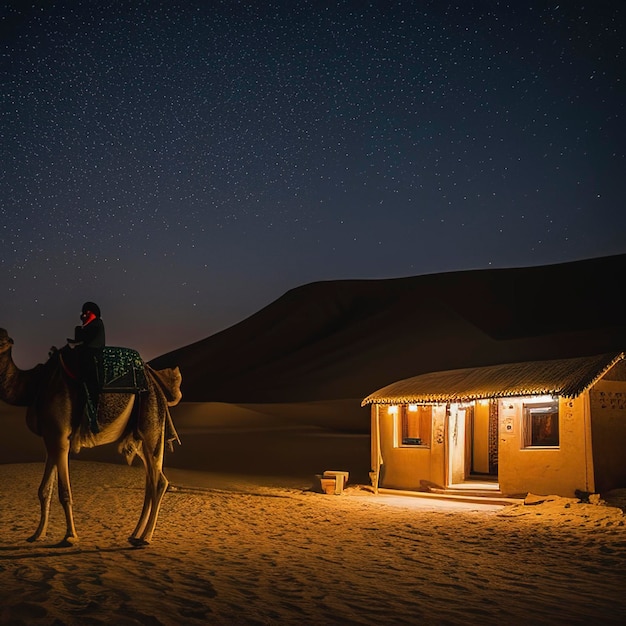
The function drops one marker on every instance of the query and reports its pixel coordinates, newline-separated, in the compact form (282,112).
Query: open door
(472,443)
(456,445)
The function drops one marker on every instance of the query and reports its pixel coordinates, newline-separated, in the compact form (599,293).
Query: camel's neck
(18,387)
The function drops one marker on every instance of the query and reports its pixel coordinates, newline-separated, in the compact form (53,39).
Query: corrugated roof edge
(564,377)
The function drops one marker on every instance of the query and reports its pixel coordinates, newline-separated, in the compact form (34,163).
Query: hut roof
(562,377)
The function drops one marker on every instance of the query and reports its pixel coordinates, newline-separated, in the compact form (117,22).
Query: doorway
(472,455)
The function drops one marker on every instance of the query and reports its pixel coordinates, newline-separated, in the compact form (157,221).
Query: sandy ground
(267,547)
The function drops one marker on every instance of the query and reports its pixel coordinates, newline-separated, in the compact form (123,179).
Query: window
(541,424)
(414,422)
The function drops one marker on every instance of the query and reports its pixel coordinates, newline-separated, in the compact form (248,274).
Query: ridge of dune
(344,339)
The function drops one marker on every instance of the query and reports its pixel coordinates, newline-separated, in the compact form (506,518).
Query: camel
(139,424)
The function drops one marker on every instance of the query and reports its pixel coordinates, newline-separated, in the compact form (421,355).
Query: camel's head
(5,341)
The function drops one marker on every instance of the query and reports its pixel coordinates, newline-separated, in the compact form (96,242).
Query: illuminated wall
(586,454)
(550,470)
(608,434)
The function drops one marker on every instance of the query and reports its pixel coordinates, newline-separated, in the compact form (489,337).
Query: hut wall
(560,470)
(608,434)
(405,467)
(375,446)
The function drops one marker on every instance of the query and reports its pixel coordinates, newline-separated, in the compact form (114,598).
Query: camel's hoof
(33,538)
(138,542)
(67,542)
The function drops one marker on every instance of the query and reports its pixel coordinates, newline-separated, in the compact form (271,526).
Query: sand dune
(225,438)
(339,340)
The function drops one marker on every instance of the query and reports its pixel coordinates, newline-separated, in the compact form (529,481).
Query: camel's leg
(45,497)
(156,486)
(158,491)
(65,495)
(145,510)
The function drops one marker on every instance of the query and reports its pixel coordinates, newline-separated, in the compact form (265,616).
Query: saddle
(120,370)
(123,371)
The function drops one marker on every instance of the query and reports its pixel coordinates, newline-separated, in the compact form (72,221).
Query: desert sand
(245,536)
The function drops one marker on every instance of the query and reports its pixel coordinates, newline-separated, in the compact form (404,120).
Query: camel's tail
(171,435)
(169,381)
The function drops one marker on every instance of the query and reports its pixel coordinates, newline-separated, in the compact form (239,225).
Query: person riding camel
(89,342)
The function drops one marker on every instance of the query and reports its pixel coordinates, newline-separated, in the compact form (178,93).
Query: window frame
(423,427)
(532,412)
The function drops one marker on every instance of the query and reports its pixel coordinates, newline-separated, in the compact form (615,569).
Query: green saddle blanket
(123,370)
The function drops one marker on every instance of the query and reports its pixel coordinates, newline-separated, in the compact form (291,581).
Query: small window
(541,424)
(414,424)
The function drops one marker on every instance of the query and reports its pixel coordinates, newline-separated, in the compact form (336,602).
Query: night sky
(185,163)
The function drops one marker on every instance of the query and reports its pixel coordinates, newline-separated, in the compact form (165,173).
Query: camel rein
(66,369)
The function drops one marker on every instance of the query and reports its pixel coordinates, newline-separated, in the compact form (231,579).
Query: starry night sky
(185,163)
